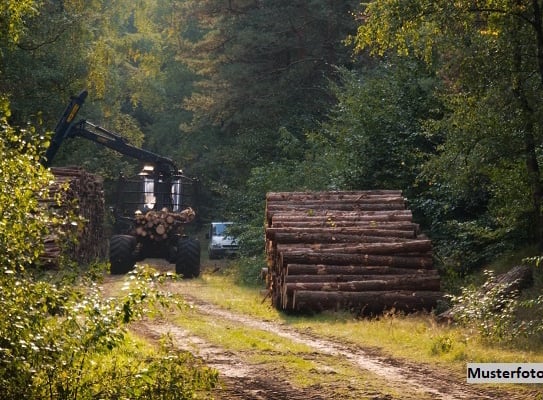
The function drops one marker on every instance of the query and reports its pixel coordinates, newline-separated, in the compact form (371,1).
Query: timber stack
(355,250)
(160,225)
(79,195)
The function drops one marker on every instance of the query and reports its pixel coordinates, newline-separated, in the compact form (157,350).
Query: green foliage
(484,181)
(137,372)
(239,94)
(493,309)
(54,334)
(374,138)
(12,17)
(263,64)
(441,345)
(22,183)
(262,71)
(56,325)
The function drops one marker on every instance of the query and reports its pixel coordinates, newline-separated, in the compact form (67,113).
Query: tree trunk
(349,270)
(512,282)
(317,234)
(366,303)
(530,148)
(368,283)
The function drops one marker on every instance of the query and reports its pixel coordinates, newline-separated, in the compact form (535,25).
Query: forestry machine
(149,210)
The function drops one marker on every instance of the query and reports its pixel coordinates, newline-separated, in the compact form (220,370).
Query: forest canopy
(439,100)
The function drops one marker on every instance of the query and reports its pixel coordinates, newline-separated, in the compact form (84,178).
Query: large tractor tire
(187,262)
(122,256)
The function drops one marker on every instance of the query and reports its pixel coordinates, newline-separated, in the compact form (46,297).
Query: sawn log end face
(356,250)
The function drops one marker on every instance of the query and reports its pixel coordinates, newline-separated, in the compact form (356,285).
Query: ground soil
(381,377)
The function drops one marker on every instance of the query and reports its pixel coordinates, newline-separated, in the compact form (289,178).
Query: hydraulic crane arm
(66,128)
(63,126)
(116,142)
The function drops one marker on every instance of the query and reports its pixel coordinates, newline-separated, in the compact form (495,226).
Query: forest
(440,100)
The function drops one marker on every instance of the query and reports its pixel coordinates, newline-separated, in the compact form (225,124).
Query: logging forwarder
(160,195)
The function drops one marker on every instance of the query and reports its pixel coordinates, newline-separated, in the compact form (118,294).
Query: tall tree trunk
(532,165)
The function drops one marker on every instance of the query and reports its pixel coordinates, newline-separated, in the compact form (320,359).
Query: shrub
(57,326)
(494,310)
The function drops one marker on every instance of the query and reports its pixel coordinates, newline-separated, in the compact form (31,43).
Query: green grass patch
(296,362)
(416,337)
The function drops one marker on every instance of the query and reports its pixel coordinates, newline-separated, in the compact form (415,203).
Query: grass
(415,337)
(297,362)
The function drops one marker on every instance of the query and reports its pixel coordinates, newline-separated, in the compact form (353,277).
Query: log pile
(79,195)
(161,225)
(355,250)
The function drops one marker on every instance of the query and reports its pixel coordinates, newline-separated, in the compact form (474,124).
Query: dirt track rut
(377,376)
(243,380)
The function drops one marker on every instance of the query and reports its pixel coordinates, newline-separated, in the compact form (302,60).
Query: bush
(54,335)
(57,328)
(495,311)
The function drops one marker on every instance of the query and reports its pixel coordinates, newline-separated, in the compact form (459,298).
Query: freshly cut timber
(148,210)
(160,225)
(356,250)
(79,194)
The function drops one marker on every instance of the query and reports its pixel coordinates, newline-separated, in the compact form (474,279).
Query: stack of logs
(355,250)
(78,195)
(161,225)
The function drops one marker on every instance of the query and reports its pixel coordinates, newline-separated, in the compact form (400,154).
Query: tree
(489,55)
(12,16)
(374,138)
(262,68)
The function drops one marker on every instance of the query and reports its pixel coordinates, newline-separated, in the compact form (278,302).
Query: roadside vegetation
(60,338)
(419,337)
(438,99)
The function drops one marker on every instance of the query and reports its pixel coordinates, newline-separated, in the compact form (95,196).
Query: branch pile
(355,250)
(78,195)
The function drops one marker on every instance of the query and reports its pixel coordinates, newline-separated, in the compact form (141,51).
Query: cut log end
(347,250)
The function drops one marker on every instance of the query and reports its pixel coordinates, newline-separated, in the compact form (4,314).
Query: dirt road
(340,371)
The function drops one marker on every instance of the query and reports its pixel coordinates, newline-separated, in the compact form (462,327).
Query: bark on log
(289,196)
(405,247)
(330,237)
(311,210)
(336,218)
(346,245)
(334,203)
(322,269)
(337,278)
(371,283)
(423,262)
(159,225)
(365,303)
(80,194)
(328,234)
(323,215)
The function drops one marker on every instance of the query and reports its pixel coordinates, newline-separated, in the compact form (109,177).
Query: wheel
(122,253)
(188,258)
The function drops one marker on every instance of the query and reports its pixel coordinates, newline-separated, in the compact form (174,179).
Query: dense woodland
(438,99)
